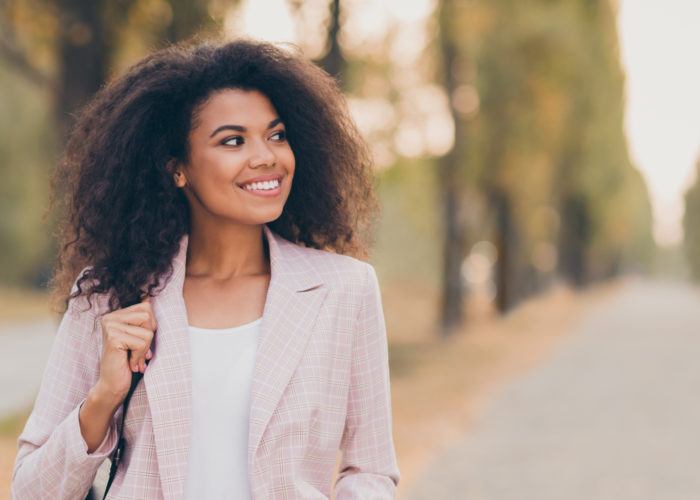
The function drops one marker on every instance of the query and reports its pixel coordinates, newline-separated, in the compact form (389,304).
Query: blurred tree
(86,40)
(454,232)
(333,60)
(82,57)
(540,86)
(67,49)
(539,164)
(25,151)
(691,225)
(605,208)
(522,80)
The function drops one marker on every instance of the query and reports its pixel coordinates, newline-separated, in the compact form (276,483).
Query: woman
(212,194)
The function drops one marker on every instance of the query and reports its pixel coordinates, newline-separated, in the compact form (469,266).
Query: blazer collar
(289,266)
(293,300)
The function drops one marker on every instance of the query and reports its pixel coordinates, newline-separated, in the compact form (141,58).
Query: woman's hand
(126,345)
(126,340)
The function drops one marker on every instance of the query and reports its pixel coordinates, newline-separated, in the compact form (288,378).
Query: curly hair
(124,216)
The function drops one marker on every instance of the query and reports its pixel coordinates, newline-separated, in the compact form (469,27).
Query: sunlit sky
(660,42)
(660,45)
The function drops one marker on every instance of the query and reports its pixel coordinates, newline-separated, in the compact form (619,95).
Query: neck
(227,252)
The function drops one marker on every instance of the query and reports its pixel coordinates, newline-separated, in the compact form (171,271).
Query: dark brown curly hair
(124,216)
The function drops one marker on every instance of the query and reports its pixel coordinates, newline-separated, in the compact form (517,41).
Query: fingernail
(149,354)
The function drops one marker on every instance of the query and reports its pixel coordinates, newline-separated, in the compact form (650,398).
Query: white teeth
(262,186)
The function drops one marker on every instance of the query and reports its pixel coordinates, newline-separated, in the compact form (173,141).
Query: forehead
(235,107)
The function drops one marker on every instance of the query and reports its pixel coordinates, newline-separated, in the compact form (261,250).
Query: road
(613,414)
(24,350)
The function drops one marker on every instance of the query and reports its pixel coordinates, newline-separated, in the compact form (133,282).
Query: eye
(279,136)
(236,140)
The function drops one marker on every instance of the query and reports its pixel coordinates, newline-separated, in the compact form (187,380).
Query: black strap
(121,444)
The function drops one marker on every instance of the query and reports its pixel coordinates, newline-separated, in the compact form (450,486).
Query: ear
(180,180)
(176,169)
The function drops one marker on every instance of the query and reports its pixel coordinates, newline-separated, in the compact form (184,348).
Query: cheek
(213,169)
(290,161)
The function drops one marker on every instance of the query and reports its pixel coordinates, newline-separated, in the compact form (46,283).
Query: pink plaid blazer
(321,384)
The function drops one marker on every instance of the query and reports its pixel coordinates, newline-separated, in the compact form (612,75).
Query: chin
(268,217)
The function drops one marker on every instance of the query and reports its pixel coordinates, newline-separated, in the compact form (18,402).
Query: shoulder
(81,305)
(341,273)
(337,266)
(306,267)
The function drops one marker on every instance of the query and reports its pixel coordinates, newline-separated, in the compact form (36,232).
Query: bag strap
(121,444)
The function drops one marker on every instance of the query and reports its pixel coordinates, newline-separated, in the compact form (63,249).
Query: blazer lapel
(294,298)
(168,380)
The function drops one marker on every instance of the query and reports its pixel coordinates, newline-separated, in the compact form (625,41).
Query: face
(241,166)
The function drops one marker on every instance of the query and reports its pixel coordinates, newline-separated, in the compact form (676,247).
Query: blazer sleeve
(53,459)
(368,468)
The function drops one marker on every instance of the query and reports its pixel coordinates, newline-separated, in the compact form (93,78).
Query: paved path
(614,414)
(24,350)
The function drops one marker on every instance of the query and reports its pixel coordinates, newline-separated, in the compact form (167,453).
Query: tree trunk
(333,62)
(452,290)
(451,314)
(82,59)
(189,17)
(507,271)
(574,236)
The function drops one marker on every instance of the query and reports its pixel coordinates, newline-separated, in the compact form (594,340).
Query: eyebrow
(239,128)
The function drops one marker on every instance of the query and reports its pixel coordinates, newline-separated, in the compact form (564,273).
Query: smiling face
(240,166)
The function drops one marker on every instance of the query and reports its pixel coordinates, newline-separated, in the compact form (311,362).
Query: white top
(222,373)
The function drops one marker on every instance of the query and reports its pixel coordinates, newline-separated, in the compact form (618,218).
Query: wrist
(103,400)
(95,416)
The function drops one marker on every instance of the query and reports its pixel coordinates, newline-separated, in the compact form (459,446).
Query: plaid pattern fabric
(321,384)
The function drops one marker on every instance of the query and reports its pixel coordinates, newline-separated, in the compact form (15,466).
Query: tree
(454,232)
(66,50)
(691,225)
(546,146)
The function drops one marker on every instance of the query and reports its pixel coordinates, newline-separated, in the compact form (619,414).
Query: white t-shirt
(222,373)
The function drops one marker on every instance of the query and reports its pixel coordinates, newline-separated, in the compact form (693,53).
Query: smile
(262,186)
(266,185)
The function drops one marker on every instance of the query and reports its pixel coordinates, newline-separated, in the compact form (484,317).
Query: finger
(137,331)
(148,307)
(134,347)
(129,337)
(135,315)
(139,356)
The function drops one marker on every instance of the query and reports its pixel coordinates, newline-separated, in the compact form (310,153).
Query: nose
(262,155)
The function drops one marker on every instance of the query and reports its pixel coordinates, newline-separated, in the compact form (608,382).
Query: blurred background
(536,162)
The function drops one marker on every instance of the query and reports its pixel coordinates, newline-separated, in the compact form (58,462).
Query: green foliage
(26,149)
(407,236)
(35,36)
(691,225)
(547,136)
(549,132)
